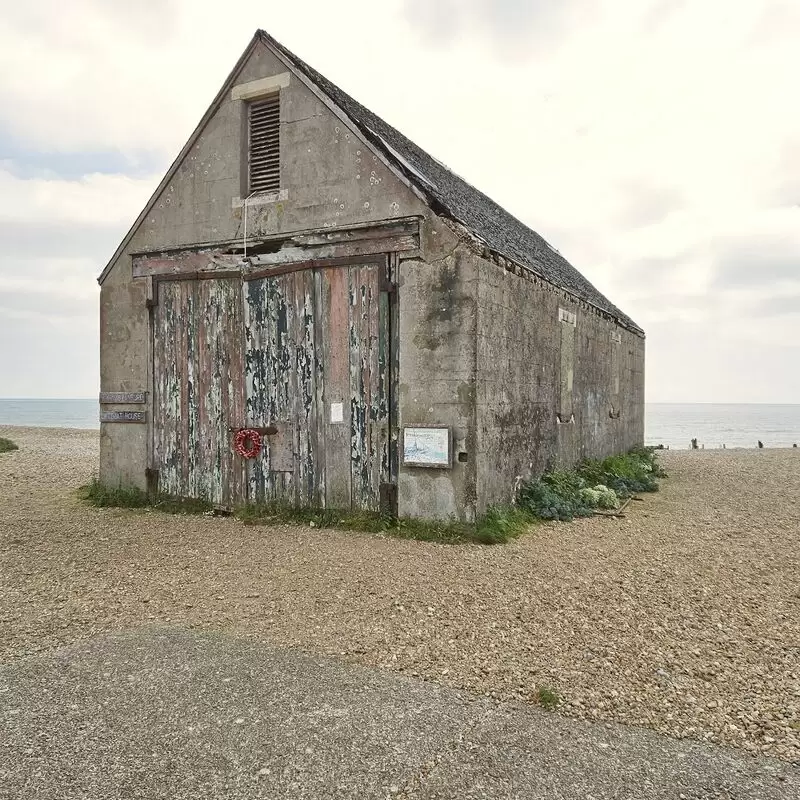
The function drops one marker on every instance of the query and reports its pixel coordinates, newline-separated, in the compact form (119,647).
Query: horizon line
(647,402)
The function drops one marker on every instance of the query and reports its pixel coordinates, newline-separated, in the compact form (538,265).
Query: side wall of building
(532,367)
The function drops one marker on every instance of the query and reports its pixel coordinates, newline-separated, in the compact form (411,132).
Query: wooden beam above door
(319,245)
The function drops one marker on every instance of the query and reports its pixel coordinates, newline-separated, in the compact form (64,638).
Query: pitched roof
(446,193)
(452,196)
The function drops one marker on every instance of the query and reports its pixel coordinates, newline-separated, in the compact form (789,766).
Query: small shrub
(606,498)
(547,698)
(595,484)
(624,474)
(6,445)
(501,524)
(556,495)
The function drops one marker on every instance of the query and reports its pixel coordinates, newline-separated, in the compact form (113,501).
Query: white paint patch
(337,412)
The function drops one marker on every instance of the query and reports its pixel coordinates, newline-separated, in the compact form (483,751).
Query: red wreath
(247,443)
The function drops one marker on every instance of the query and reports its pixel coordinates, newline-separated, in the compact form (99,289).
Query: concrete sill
(261,199)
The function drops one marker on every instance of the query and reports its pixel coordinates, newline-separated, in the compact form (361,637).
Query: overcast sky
(655,143)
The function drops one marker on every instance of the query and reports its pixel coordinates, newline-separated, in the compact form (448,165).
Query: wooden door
(198,389)
(317,367)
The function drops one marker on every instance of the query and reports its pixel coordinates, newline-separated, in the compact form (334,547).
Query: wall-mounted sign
(122,416)
(337,412)
(123,397)
(427,446)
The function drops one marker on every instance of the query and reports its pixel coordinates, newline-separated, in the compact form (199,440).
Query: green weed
(498,525)
(6,445)
(547,698)
(101,496)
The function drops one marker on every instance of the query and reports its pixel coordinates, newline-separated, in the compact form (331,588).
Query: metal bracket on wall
(269,430)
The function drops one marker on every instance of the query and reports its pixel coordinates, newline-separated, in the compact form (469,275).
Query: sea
(673,425)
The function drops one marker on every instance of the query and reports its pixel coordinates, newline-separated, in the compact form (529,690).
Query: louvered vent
(264,145)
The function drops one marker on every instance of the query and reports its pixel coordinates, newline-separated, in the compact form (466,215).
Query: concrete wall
(438,319)
(522,382)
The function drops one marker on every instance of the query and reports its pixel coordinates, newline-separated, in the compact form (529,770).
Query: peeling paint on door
(198,389)
(312,340)
(279,352)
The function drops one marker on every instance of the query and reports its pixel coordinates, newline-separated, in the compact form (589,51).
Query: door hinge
(386,282)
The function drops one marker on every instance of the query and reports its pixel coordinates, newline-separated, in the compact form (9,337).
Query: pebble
(680,621)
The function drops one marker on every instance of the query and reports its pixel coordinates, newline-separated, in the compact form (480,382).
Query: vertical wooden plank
(213,362)
(360,388)
(170,440)
(283,474)
(192,382)
(384,380)
(183,288)
(203,336)
(355,400)
(255,313)
(319,306)
(305,389)
(335,316)
(159,401)
(271,367)
(372,356)
(235,394)
(394,370)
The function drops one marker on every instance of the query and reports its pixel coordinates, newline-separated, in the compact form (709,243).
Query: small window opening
(263,145)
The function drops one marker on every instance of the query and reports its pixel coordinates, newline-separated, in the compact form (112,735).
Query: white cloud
(92,200)
(654,143)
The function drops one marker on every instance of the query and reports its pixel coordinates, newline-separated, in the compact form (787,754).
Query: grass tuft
(547,698)
(499,525)
(6,445)
(101,496)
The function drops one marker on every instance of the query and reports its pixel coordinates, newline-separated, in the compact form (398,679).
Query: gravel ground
(164,713)
(684,617)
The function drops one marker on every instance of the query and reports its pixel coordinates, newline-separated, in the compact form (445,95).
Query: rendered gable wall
(329,178)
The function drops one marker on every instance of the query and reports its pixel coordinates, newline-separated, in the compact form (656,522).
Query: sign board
(123,397)
(427,446)
(337,412)
(122,416)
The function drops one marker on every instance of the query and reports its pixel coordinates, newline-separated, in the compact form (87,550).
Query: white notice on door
(337,412)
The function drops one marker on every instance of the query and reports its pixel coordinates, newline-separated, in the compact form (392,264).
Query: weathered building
(400,340)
